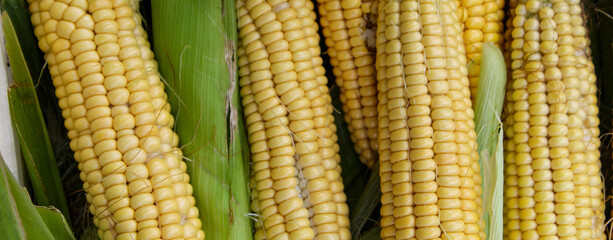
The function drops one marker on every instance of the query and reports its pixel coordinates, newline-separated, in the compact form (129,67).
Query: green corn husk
(488,124)
(194,42)
(20,219)
(372,234)
(26,115)
(366,204)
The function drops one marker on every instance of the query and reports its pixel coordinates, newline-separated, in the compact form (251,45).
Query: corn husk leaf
(369,200)
(372,234)
(55,221)
(20,219)
(26,114)
(488,124)
(194,42)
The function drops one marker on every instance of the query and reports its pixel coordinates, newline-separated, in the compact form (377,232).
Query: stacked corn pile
(297,192)
(553,184)
(118,119)
(428,164)
(346,31)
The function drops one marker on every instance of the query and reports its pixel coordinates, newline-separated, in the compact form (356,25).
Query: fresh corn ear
(429,167)
(118,119)
(553,181)
(297,191)
(347,33)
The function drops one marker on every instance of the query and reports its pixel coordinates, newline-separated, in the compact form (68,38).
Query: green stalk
(194,42)
(488,124)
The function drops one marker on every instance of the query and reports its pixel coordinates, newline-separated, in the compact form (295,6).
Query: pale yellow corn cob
(426,124)
(346,35)
(295,156)
(555,133)
(118,120)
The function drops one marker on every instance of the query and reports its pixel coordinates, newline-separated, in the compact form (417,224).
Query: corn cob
(554,120)
(296,176)
(345,29)
(118,120)
(91,174)
(176,169)
(470,177)
(428,163)
(482,20)
(324,123)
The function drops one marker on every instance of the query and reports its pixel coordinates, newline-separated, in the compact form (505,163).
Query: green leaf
(367,203)
(10,223)
(195,41)
(55,220)
(27,117)
(372,234)
(20,219)
(488,109)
